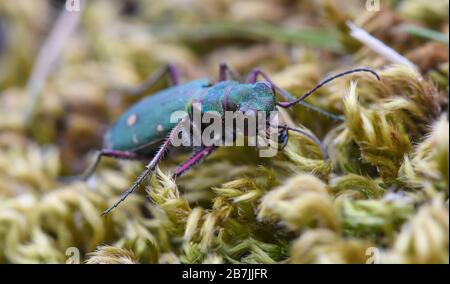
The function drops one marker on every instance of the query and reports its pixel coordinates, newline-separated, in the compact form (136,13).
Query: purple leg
(149,168)
(313,138)
(169,69)
(103,153)
(194,160)
(174,74)
(252,77)
(226,72)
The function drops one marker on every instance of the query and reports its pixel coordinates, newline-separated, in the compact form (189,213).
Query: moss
(384,189)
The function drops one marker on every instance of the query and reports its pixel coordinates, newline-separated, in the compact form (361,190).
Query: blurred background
(386,189)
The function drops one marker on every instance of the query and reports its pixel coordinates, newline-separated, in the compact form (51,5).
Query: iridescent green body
(144,125)
(147,129)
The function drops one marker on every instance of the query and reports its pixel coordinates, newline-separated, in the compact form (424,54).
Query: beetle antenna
(326,81)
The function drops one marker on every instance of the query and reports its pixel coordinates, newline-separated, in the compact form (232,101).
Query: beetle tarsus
(128,192)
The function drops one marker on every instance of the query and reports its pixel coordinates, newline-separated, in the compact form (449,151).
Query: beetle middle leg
(169,69)
(198,156)
(253,77)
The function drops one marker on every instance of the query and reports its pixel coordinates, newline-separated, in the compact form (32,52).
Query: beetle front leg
(312,137)
(170,70)
(252,78)
(194,160)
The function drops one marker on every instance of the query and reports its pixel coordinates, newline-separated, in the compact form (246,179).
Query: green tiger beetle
(145,132)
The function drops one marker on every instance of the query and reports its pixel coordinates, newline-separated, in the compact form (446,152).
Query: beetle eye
(232,106)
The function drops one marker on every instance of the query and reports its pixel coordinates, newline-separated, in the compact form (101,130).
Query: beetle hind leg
(102,153)
(169,69)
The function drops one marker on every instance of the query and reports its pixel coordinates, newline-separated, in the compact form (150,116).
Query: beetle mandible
(144,131)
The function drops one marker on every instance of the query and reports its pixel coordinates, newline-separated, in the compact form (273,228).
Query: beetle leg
(313,138)
(103,153)
(150,167)
(194,160)
(253,77)
(226,72)
(169,69)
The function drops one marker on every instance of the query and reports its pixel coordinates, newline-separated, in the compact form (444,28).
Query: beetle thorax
(250,98)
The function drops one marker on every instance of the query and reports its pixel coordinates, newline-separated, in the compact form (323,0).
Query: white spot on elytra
(135,139)
(131,120)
